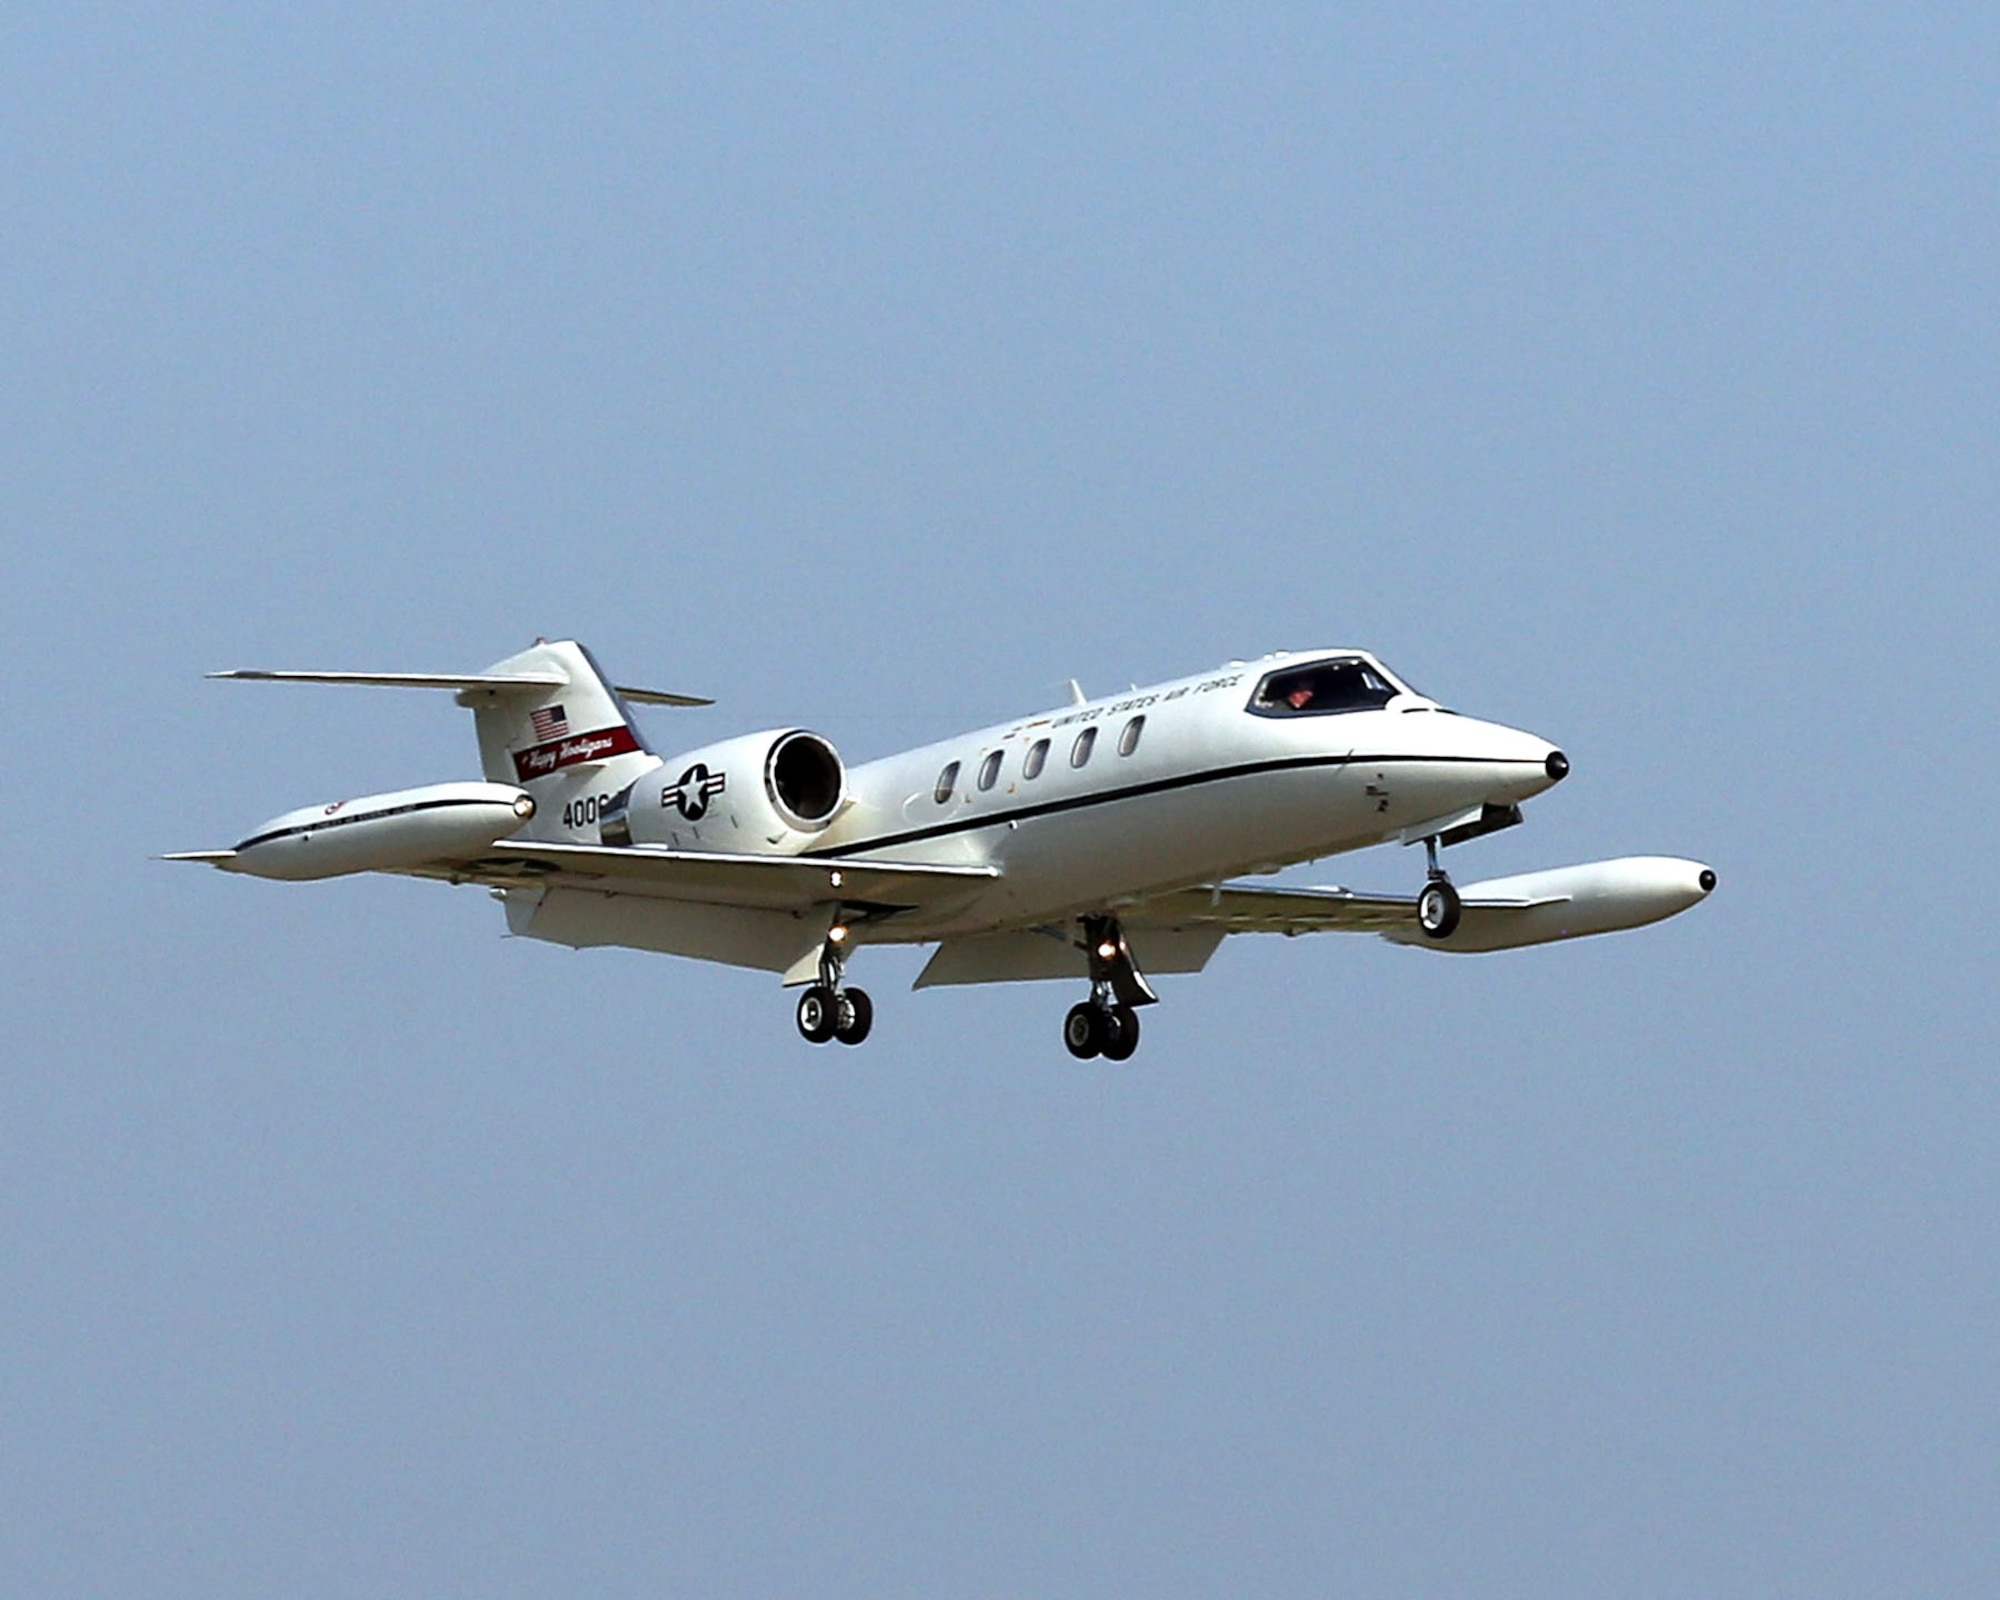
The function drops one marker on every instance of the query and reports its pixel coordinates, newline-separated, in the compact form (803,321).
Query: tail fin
(572,745)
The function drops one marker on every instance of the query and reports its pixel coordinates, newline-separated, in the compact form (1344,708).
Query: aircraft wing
(1499,914)
(775,883)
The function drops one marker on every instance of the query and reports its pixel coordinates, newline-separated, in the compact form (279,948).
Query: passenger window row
(1037,758)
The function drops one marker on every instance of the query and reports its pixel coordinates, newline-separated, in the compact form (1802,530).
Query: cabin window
(1321,688)
(947,781)
(1080,751)
(1128,739)
(989,769)
(1038,753)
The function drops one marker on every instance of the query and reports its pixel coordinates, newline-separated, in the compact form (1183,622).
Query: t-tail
(572,743)
(549,723)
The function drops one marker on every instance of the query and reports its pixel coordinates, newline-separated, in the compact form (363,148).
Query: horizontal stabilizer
(408,680)
(499,682)
(660,697)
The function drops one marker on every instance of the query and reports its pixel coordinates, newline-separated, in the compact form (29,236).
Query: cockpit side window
(1322,687)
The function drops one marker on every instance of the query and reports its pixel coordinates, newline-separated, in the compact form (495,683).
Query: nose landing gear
(1438,906)
(829,1009)
(1107,1024)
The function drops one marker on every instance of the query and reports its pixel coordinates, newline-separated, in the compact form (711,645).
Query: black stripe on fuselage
(1135,791)
(304,828)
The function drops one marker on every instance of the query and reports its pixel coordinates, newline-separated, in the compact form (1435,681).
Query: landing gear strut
(1438,906)
(1107,1024)
(829,1009)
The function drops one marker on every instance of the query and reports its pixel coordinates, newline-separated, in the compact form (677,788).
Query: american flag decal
(550,723)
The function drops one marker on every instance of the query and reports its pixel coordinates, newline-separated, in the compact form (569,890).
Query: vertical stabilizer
(572,747)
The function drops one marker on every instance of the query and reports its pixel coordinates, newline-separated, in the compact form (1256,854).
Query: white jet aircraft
(1095,841)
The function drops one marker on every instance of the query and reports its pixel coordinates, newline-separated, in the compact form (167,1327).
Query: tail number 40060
(584,811)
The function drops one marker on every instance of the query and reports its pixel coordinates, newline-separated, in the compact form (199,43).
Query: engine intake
(805,780)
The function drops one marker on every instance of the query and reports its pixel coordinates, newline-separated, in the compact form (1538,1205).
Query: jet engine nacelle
(763,791)
(382,832)
(1569,902)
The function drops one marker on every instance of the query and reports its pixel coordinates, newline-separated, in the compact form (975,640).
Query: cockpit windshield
(1321,687)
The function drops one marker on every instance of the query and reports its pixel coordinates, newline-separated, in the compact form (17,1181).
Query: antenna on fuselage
(1076,695)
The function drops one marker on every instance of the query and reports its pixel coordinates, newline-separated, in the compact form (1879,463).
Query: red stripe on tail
(538,761)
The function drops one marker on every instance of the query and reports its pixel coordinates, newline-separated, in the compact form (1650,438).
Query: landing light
(1106,950)
(836,935)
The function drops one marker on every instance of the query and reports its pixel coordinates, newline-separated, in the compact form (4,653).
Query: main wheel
(1438,909)
(1083,1030)
(855,1014)
(819,1014)
(1122,1037)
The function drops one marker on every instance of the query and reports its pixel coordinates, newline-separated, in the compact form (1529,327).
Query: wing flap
(1023,954)
(1248,908)
(778,883)
(1245,908)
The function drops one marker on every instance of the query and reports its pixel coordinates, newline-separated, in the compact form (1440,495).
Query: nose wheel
(1438,905)
(1438,909)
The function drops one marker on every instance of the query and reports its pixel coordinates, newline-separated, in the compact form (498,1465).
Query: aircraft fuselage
(1208,789)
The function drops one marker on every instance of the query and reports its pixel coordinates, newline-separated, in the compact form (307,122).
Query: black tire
(819,1014)
(1122,1037)
(1083,1030)
(1438,909)
(856,1013)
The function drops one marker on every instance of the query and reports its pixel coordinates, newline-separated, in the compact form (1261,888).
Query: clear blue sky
(1630,376)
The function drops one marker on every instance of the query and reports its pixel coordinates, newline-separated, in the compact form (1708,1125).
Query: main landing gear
(1438,906)
(1107,1024)
(829,1009)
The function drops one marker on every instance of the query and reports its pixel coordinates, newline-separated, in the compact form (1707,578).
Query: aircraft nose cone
(1556,766)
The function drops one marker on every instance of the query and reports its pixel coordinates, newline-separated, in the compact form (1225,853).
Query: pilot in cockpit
(1343,684)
